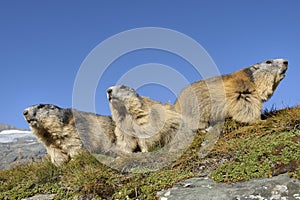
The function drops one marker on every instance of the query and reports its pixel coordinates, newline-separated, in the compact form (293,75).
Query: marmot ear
(254,67)
(39,106)
(53,107)
(140,99)
(67,114)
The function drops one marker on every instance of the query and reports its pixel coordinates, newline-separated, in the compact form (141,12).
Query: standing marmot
(66,132)
(142,124)
(238,95)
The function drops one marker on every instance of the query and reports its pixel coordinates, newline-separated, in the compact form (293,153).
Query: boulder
(278,187)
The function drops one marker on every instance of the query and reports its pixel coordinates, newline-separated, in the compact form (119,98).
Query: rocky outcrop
(6,127)
(19,147)
(279,187)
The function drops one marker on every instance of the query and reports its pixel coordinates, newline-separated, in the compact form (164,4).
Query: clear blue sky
(43,43)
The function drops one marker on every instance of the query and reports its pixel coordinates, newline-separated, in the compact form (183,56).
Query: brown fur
(67,132)
(142,124)
(238,95)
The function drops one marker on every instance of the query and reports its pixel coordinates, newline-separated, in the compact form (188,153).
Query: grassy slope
(264,149)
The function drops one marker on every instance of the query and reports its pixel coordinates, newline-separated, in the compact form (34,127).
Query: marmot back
(238,95)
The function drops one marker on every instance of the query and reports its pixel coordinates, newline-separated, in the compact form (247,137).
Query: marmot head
(121,93)
(47,120)
(123,99)
(267,75)
(138,115)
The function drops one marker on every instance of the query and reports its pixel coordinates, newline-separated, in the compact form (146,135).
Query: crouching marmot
(143,124)
(66,132)
(238,95)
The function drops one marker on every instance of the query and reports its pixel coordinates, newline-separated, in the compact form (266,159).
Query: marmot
(143,124)
(66,132)
(238,95)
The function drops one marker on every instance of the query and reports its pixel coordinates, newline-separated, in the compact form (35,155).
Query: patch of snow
(14,132)
(9,136)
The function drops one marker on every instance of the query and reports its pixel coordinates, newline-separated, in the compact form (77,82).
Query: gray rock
(41,197)
(19,147)
(6,127)
(280,187)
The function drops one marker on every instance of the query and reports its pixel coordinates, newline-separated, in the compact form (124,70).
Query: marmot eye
(269,61)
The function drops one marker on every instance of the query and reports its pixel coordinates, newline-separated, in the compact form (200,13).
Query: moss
(267,148)
(28,180)
(296,173)
(261,157)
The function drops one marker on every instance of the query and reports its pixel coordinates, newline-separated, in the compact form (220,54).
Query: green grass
(264,149)
(261,157)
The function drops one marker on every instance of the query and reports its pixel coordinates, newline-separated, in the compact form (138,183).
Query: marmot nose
(25,112)
(285,62)
(109,91)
